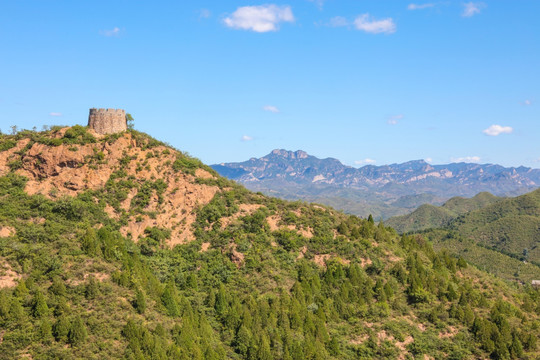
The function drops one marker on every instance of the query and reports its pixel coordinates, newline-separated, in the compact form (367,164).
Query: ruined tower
(107,121)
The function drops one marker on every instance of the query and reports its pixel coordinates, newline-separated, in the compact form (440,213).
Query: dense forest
(124,263)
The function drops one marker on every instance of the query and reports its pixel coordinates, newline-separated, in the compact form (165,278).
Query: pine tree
(140,301)
(516,348)
(263,352)
(58,288)
(169,299)
(77,332)
(61,329)
(333,347)
(89,242)
(16,310)
(4,305)
(92,288)
(45,330)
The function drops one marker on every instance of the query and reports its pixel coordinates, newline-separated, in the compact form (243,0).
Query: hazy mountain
(385,191)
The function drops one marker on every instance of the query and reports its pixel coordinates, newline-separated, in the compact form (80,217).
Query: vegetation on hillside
(261,278)
(429,216)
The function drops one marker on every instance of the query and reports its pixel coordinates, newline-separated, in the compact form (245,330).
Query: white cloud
(420,6)
(393,120)
(113,32)
(246,138)
(466,159)
(260,19)
(527,102)
(271,108)
(365,161)
(472,8)
(204,14)
(495,130)
(367,23)
(428,160)
(338,21)
(55,114)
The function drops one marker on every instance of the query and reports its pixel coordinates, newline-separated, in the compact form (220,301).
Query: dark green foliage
(140,301)
(39,307)
(77,332)
(78,135)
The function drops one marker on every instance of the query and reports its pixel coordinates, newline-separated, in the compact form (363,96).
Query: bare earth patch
(365,262)
(321,259)
(450,332)
(302,253)
(204,247)
(274,223)
(244,210)
(55,171)
(8,277)
(7,231)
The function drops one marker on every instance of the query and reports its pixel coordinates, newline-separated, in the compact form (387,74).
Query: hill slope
(121,247)
(386,191)
(510,226)
(429,216)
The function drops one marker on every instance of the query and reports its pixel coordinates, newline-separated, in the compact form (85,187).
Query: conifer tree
(140,301)
(77,332)
(4,305)
(169,299)
(61,329)
(91,289)
(16,310)
(45,330)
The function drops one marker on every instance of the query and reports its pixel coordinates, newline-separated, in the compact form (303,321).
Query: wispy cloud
(366,161)
(204,14)
(496,130)
(55,114)
(420,6)
(246,138)
(466,159)
(472,8)
(271,108)
(319,3)
(527,102)
(428,160)
(113,32)
(394,120)
(367,23)
(338,21)
(263,18)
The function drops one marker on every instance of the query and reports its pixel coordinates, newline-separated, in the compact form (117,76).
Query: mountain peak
(299,154)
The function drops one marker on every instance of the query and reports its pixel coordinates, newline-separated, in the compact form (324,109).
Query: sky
(366,82)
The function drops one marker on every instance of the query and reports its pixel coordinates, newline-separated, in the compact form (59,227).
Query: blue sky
(362,81)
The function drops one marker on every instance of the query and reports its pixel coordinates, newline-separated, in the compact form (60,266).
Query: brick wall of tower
(107,121)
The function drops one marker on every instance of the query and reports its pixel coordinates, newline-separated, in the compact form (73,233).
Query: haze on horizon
(366,82)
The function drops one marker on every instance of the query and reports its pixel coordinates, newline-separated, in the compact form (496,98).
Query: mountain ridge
(298,175)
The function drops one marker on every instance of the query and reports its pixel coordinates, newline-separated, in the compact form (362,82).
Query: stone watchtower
(107,121)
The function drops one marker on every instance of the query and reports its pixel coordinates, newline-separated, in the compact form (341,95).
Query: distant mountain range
(383,191)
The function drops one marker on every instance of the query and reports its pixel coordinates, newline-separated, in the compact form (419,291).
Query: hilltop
(120,246)
(428,216)
(500,235)
(383,191)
